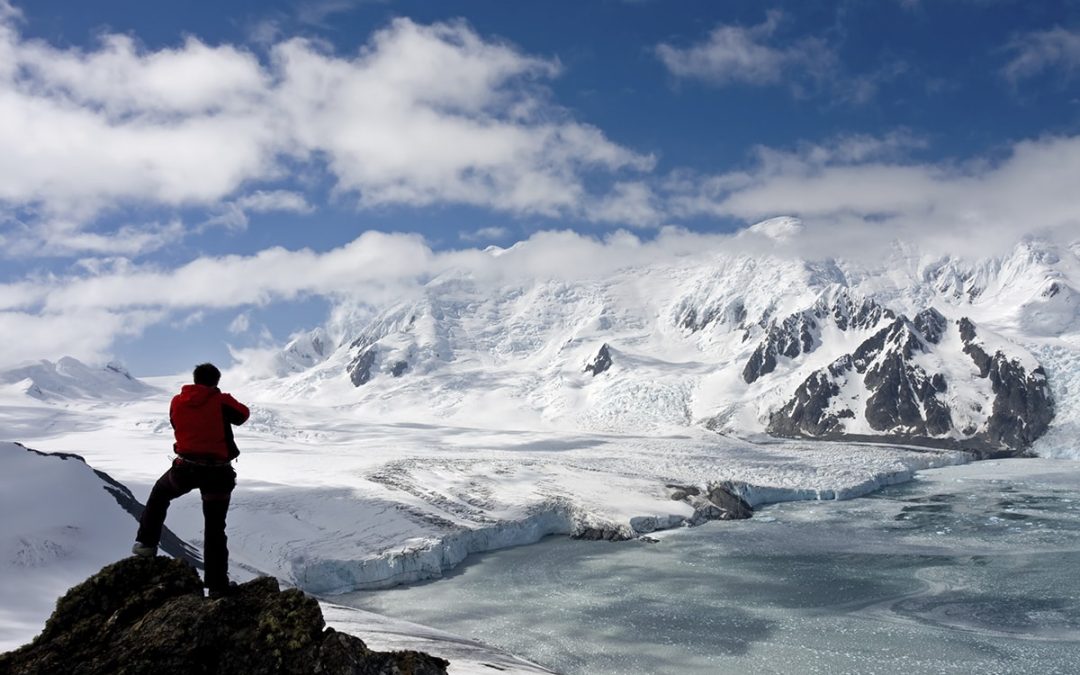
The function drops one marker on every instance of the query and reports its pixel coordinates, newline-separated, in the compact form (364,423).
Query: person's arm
(233,411)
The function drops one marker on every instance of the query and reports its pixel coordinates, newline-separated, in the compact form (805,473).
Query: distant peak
(783,228)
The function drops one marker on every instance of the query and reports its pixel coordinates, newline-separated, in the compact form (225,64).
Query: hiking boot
(143,551)
(215,592)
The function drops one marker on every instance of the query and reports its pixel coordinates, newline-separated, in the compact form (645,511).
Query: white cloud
(630,204)
(1039,51)
(876,198)
(85,334)
(191,319)
(737,54)
(262,201)
(60,237)
(240,324)
(422,115)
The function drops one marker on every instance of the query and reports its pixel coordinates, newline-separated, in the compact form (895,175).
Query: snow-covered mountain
(70,378)
(949,352)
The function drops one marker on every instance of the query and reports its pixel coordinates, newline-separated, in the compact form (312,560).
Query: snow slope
(62,522)
(70,378)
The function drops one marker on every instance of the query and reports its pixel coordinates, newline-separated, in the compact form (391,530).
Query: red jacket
(201,417)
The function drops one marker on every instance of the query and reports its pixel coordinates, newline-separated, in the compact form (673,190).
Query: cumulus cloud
(84,334)
(630,203)
(875,198)
(740,54)
(421,115)
(756,56)
(1039,51)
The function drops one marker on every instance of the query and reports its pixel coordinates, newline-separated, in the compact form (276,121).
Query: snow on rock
(303,352)
(70,378)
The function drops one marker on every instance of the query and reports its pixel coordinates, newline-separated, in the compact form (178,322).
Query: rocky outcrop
(359,368)
(601,362)
(800,333)
(889,387)
(1023,406)
(791,337)
(695,318)
(150,616)
(716,502)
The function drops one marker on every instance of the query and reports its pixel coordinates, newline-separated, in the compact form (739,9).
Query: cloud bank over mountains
(434,115)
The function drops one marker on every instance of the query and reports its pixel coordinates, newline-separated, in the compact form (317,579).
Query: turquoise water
(967,570)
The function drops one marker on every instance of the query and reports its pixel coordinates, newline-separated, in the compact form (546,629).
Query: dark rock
(681,492)
(601,362)
(695,319)
(149,616)
(799,333)
(903,404)
(359,368)
(399,368)
(849,312)
(978,355)
(792,337)
(1023,406)
(805,414)
(601,534)
(730,505)
(967,329)
(931,324)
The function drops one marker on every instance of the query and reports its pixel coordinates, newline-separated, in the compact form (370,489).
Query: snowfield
(331,502)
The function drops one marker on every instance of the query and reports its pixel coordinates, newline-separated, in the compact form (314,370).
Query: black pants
(216,484)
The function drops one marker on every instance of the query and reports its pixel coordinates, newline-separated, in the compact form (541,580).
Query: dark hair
(206,374)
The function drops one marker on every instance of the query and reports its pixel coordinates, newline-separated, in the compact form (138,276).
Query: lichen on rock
(149,616)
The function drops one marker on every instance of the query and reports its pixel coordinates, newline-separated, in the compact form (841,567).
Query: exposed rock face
(799,333)
(931,324)
(717,502)
(359,368)
(150,616)
(695,319)
(1023,407)
(900,400)
(793,336)
(601,362)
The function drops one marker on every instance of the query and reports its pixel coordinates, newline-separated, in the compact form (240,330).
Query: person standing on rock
(202,418)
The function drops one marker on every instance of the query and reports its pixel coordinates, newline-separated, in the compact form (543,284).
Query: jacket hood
(195,395)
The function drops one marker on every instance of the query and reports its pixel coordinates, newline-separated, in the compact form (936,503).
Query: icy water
(972,569)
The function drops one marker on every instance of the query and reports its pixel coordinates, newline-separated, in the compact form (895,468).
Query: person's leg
(171,485)
(216,489)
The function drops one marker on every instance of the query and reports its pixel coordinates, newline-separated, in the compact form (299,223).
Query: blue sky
(158,153)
